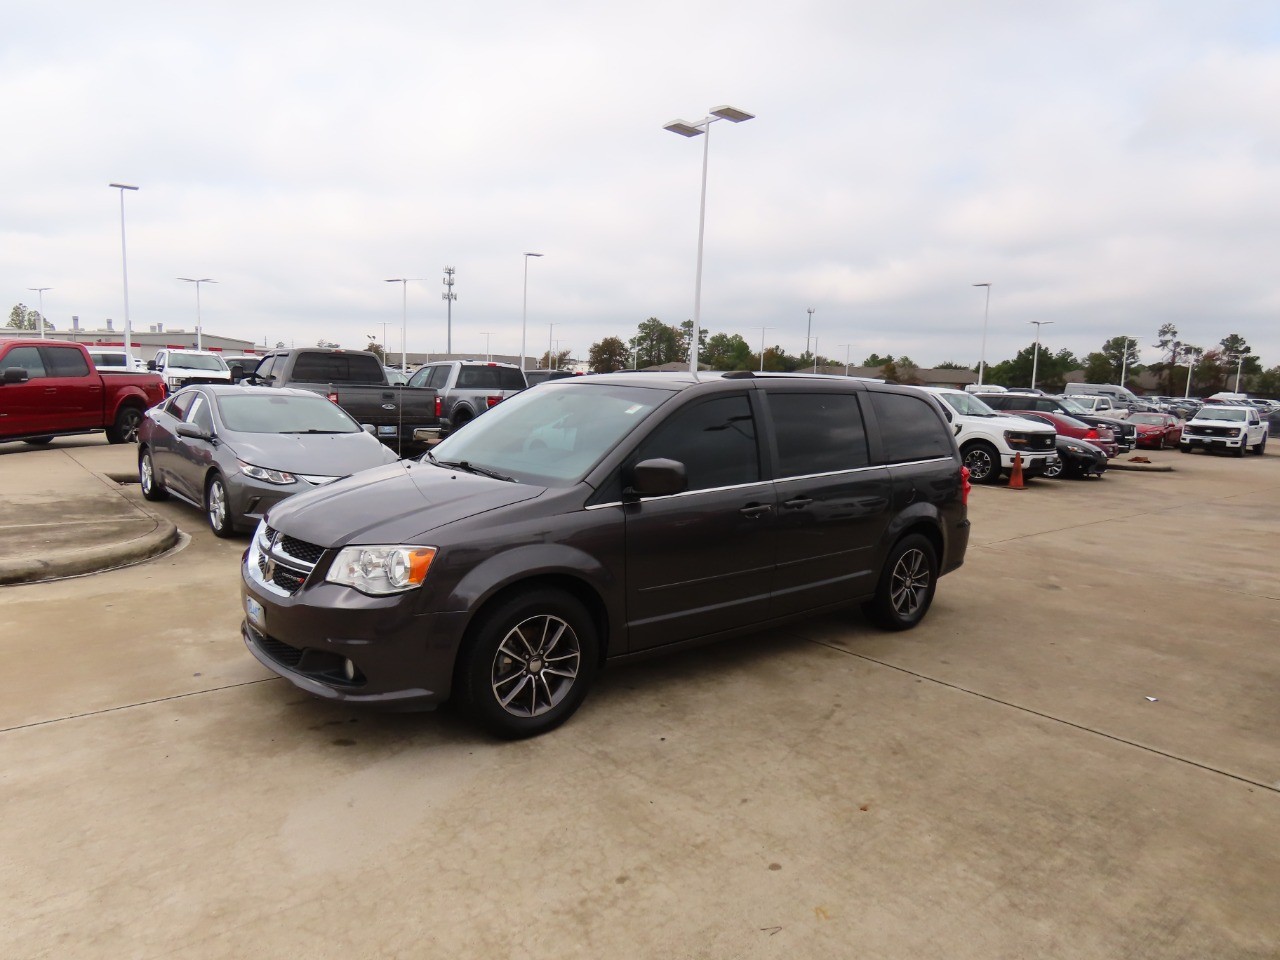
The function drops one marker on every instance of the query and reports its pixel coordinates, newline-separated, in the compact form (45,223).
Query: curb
(92,559)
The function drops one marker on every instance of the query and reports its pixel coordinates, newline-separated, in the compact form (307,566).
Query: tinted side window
(439,375)
(817,433)
(28,358)
(263,369)
(179,404)
(337,368)
(715,440)
(909,428)
(509,379)
(66,362)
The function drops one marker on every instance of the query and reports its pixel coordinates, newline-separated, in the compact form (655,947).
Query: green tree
(1268,382)
(608,355)
(951,365)
(1167,342)
(727,352)
(657,343)
(375,347)
(1098,368)
(1051,369)
(875,360)
(1121,352)
(684,334)
(1237,353)
(776,360)
(22,317)
(553,361)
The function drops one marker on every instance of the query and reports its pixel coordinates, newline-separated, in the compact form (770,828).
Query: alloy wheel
(535,666)
(909,582)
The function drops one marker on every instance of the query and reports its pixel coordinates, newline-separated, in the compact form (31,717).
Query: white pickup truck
(990,441)
(1225,427)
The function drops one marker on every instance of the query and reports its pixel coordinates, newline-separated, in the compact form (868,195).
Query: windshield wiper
(472,468)
(313,431)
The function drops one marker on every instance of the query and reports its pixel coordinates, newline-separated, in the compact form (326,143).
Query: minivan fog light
(381,570)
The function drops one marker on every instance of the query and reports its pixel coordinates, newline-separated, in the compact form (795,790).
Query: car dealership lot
(995,783)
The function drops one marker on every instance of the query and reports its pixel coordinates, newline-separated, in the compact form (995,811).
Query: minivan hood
(400,503)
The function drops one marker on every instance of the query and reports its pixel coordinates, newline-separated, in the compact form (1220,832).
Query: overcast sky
(1107,166)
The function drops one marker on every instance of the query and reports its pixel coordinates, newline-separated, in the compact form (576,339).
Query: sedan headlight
(380,570)
(266,474)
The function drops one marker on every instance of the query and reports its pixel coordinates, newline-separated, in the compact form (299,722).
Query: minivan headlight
(381,570)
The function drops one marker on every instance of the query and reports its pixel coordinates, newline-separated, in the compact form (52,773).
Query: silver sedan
(234,451)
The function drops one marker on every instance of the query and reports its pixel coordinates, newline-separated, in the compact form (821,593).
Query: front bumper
(1214,443)
(339,644)
(1033,464)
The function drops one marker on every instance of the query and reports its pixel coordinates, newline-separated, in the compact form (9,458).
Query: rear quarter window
(337,368)
(910,429)
(817,433)
(66,362)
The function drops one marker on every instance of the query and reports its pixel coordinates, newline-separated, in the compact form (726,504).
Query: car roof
(241,389)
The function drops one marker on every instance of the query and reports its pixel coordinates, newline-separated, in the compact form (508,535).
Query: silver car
(234,451)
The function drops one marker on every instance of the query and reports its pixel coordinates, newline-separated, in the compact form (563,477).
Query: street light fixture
(448,296)
(199,327)
(40,291)
(1124,357)
(808,330)
(124,260)
(404,320)
(524,310)
(1035,357)
(986,312)
(686,129)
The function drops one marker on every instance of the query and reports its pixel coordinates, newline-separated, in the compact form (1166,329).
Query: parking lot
(1075,755)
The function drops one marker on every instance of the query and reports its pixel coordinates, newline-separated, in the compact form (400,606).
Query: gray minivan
(601,518)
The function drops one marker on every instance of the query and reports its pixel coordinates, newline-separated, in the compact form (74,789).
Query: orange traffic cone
(1015,478)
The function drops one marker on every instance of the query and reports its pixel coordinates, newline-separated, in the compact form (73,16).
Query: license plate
(257,616)
(389,431)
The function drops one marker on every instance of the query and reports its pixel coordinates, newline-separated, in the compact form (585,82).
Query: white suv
(1225,427)
(990,441)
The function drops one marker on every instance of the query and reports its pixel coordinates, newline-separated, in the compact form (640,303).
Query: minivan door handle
(756,509)
(798,503)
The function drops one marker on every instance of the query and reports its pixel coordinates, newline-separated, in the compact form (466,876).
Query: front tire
(528,663)
(125,429)
(217,507)
(152,486)
(1056,469)
(983,462)
(907,584)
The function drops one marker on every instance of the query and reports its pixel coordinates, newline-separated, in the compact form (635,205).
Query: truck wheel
(461,419)
(528,663)
(217,507)
(152,487)
(1239,451)
(38,441)
(907,584)
(125,429)
(1260,446)
(983,462)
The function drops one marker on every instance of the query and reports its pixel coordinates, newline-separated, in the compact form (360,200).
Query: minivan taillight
(965,486)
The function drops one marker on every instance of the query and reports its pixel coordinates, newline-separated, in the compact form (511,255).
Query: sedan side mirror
(193,431)
(657,478)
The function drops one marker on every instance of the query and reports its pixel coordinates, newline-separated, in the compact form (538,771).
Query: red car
(1156,430)
(1100,437)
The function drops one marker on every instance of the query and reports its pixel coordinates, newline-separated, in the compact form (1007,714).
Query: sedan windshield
(1153,419)
(551,436)
(196,361)
(1223,413)
(261,413)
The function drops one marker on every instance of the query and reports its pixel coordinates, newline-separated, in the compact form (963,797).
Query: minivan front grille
(285,562)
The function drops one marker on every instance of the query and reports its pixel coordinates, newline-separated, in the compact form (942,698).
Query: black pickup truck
(356,381)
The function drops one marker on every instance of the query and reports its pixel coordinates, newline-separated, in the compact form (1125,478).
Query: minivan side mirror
(656,478)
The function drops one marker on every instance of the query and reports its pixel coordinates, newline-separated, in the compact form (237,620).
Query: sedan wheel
(1056,468)
(218,508)
(152,488)
(529,663)
(907,585)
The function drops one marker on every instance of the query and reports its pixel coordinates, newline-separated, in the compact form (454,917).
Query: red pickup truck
(51,387)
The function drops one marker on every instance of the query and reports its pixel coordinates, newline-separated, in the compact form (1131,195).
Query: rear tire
(907,584)
(1260,446)
(152,487)
(528,663)
(125,429)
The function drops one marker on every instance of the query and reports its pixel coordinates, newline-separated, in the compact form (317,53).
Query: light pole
(524,310)
(385,324)
(1035,357)
(487,355)
(846,356)
(762,330)
(1239,357)
(808,330)
(550,329)
(404,320)
(448,296)
(986,312)
(40,292)
(1124,357)
(199,327)
(686,129)
(124,260)
(815,354)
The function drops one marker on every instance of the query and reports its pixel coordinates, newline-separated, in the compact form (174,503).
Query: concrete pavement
(63,512)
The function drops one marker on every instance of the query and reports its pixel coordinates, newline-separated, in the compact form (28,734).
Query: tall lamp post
(124,260)
(986,312)
(39,291)
(1035,357)
(846,356)
(487,355)
(1124,357)
(1239,358)
(815,354)
(762,330)
(524,310)
(699,128)
(448,297)
(550,330)
(404,320)
(808,330)
(199,326)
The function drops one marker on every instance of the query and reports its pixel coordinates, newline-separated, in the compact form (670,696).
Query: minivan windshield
(551,436)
